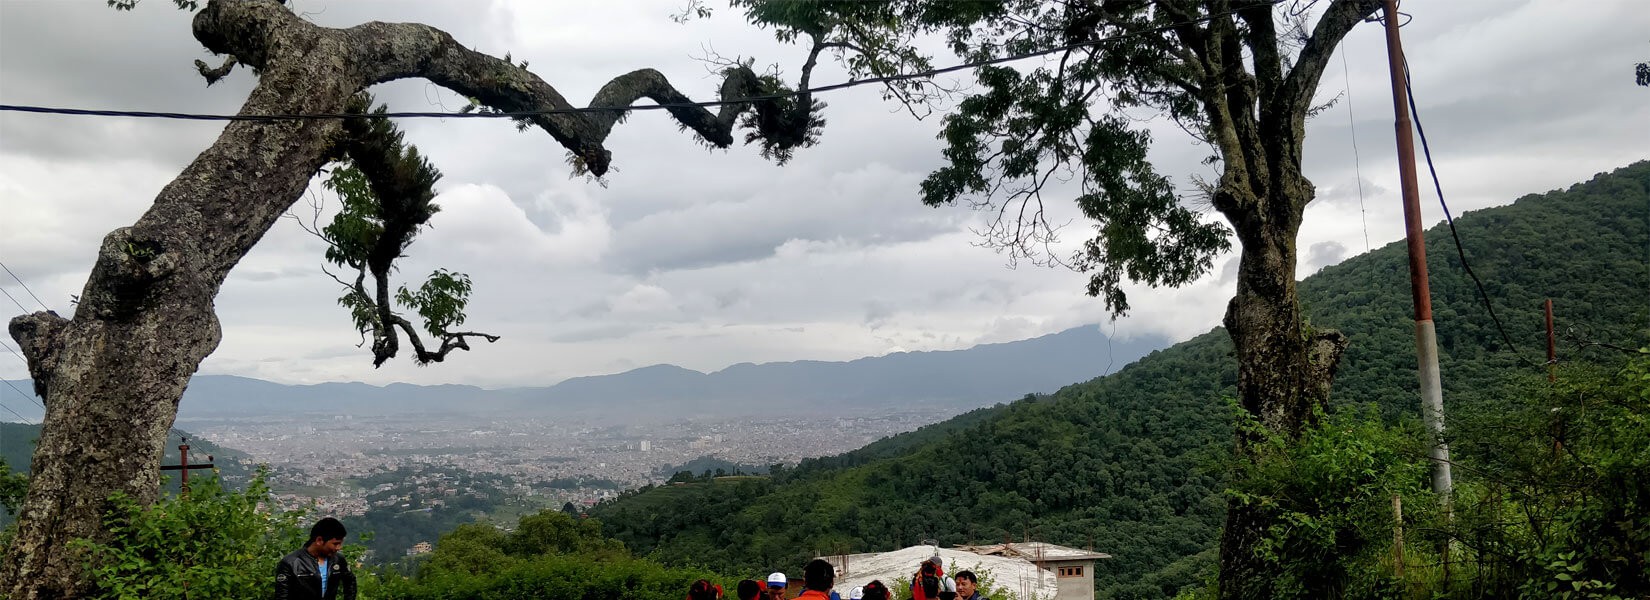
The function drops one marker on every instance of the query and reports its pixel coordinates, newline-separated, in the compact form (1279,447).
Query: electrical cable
(25,395)
(618,109)
(25,287)
(13,412)
(13,300)
(1357,164)
(1415,114)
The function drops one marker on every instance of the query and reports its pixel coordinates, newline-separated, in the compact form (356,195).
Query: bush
(210,543)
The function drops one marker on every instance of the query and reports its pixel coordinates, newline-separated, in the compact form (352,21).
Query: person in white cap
(776,586)
(857,594)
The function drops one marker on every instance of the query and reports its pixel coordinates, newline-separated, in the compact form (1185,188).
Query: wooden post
(1398,534)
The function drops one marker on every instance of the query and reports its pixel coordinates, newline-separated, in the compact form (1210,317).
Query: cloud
(707,258)
(1323,254)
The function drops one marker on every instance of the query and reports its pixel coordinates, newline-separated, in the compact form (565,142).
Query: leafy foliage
(209,543)
(1075,118)
(1330,497)
(440,301)
(548,555)
(387,191)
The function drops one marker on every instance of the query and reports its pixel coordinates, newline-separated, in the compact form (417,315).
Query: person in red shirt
(704,590)
(817,579)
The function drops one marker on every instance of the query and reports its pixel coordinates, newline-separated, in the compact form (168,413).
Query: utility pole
(183,465)
(1426,335)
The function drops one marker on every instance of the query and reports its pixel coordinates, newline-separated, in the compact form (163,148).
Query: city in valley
(494,469)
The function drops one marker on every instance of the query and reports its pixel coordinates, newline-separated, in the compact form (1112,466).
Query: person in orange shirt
(817,579)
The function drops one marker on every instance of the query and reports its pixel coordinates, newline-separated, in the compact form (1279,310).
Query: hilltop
(948,381)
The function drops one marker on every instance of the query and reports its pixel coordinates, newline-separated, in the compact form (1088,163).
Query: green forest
(1550,501)
(1132,463)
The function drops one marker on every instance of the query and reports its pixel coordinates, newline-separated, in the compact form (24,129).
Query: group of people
(819,583)
(317,572)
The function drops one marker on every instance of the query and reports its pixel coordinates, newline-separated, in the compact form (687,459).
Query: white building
(1029,570)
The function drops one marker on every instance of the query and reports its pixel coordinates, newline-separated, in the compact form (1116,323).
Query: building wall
(1075,579)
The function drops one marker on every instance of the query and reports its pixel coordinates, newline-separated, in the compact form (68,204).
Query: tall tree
(111,376)
(1237,75)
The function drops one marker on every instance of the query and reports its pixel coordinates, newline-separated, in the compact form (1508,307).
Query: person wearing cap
(818,577)
(928,583)
(968,586)
(858,593)
(776,586)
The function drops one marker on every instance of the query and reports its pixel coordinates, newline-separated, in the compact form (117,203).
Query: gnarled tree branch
(38,336)
(416,50)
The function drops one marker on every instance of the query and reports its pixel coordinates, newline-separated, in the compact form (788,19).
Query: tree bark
(1285,369)
(111,377)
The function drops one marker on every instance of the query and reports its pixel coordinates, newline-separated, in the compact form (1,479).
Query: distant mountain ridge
(950,379)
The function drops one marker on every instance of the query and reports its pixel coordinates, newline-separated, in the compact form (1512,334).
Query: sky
(709,258)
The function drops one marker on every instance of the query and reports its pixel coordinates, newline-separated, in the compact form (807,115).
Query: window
(1071,571)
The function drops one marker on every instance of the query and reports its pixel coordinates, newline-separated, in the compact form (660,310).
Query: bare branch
(1302,82)
(449,341)
(213,75)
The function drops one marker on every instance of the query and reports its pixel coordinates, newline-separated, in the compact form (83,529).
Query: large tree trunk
(112,376)
(1284,373)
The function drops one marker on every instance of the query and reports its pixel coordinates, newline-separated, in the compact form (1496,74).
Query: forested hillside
(236,467)
(1126,463)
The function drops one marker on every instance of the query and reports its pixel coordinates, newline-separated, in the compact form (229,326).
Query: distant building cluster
(531,462)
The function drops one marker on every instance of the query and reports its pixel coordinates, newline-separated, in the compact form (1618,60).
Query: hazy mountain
(954,380)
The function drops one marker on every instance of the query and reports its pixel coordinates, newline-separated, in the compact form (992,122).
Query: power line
(610,109)
(25,286)
(13,300)
(30,397)
(14,353)
(8,408)
(1415,113)
(1357,164)
(14,413)
(23,394)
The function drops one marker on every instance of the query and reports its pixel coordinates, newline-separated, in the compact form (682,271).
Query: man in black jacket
(317,571)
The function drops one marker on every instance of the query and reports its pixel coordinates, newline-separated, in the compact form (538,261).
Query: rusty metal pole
(183,459)
(1552,345)
(1426,335)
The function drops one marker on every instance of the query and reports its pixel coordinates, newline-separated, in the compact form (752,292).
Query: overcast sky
(706,259)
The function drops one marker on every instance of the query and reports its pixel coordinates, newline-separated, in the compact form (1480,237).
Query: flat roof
(1014,574)
(1013,566)
(1035,551)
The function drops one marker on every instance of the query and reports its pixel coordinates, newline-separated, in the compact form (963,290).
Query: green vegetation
(1132,463)
(417,512)
(547,555)
(17,448)
(211,543)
